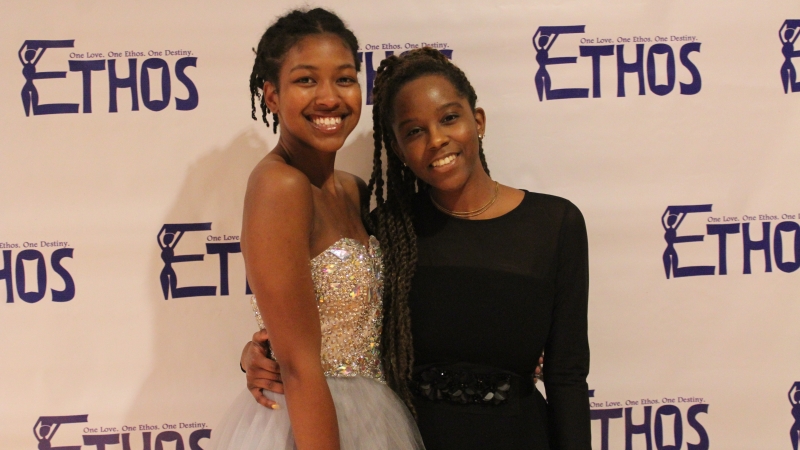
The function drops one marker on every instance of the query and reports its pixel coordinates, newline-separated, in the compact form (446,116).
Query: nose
(437,138)
(327,95)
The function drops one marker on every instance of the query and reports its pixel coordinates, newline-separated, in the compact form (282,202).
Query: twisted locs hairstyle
(392,220)
(282,36)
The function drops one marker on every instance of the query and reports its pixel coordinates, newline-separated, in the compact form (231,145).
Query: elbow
(299,368)
(566,377)
(573,374)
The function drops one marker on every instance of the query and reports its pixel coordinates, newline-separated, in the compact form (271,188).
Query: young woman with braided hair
(483,276)
(315,271)
(496,274)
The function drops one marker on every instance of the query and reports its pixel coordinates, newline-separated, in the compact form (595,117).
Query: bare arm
(276,231)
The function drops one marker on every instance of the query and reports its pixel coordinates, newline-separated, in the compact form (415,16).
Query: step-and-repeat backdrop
(127,142)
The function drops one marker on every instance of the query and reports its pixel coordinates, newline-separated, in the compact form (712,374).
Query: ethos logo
(545,37)
(665,421)
(788,35)
(99,437)
(27,269)
(168,238)
(156,95)
(372,59)
(781,246)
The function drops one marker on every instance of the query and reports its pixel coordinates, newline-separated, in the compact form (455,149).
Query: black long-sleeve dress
(495,293)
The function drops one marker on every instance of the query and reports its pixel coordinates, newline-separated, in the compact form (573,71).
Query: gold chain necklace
(466,214)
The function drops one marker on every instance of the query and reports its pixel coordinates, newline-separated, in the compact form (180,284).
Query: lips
(444,161)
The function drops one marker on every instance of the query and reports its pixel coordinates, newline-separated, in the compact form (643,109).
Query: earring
(480,136)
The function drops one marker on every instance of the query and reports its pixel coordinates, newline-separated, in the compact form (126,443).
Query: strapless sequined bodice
(348,285)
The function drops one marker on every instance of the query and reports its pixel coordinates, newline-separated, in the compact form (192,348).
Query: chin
(330,145)
(449,184)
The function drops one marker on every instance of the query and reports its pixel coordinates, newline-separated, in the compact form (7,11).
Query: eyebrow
(445,106)
(310,67)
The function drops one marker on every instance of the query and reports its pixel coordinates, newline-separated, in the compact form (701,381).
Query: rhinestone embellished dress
(348,286)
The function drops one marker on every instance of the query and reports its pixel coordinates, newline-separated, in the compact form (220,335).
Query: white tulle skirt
(370,415)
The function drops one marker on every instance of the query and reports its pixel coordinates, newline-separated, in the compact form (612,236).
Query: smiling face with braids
(437,134)
(317,96)
(301,32)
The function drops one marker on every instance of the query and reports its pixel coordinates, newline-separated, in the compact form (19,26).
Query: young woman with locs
(482,276)
(315,271)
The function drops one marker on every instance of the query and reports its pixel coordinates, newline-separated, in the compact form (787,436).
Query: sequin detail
(257,312)
(348,284)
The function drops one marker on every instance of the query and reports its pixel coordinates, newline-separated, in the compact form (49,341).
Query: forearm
(311,410)
(569,417)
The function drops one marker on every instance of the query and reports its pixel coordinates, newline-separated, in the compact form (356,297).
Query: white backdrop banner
(127,142)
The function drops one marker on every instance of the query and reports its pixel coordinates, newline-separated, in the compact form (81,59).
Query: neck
(475,193)
(316,165)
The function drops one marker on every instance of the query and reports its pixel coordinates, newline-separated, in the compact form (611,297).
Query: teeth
(327,121)
(444,161)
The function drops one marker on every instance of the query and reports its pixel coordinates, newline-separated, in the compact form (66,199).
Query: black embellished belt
(468,384)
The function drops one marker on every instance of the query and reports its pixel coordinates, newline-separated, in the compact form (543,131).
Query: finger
(255,360)
(256,374)
(255,350)
(261,362)
(260,336)
(270,364)
(272,386)
(263,400)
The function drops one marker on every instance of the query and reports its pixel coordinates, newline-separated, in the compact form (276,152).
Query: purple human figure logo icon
(788,35)
(543,41)
(29,55)
(671,220)
(168,238)
(167,241)
(794,399)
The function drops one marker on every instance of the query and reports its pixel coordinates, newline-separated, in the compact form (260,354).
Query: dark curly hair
(392,220)
(280,37)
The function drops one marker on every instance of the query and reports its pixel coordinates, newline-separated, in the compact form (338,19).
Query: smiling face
(318,99)
(437,132)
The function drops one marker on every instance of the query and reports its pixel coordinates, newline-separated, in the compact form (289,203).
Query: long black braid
(392,220)
(279,38)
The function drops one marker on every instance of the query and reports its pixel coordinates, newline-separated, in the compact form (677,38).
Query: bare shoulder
(278,187)
(355,187)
